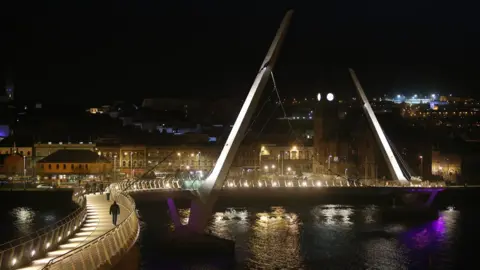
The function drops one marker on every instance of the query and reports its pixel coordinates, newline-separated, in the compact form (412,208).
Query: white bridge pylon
(201,209)
(385,147)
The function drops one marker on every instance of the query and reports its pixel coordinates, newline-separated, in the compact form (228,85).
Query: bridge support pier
(200,213)
(431,198)
(415,200)
(174,213)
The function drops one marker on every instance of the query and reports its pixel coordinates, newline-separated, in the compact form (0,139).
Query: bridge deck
(98,222)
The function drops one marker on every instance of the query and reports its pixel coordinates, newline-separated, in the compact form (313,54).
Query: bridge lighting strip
(393,162)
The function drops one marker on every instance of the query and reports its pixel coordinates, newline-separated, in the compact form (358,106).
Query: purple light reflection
(426,235)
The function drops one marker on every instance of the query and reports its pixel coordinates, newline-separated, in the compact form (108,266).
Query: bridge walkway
(98,222)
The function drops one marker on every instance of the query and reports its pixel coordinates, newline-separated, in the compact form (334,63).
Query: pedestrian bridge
(87,241)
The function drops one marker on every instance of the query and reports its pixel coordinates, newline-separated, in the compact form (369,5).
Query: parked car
(43,186)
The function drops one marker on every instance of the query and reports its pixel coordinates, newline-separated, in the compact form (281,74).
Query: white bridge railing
(172,184)
(106,250)
(24,250)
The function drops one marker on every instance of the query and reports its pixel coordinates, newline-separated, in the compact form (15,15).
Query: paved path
(98,222)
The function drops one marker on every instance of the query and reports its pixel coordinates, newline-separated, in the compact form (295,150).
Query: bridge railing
(24,250)
(106,250)
(317,182)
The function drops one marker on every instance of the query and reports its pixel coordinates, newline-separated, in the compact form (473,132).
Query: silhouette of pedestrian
(100,188)
(107,192)
(114,211)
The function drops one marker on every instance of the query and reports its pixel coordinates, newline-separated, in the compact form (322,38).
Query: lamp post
(179,155)
(260,159)
(24,167)
(198,155)
(421,166)
(125,154)
(329,161)
(131,164)
(114,168)
(24,173)
(283,157)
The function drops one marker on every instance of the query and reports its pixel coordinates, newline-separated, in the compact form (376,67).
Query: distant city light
(319,96)
(330,96)
(398,96)
(433,95)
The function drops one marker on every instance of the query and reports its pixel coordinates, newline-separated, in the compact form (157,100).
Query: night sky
(98,51)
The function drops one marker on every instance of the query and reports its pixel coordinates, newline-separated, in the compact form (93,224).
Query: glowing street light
(319,96)
(330,96)
(289,169)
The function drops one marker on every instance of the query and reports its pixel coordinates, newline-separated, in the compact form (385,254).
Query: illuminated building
(73,166)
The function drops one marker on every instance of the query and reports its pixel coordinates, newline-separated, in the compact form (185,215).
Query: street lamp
(24,172)
(114,168)
(131,164)
(199,154)
(421,165)
(179,155)
(329,161)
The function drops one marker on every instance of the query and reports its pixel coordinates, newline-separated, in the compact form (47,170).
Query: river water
(323,237)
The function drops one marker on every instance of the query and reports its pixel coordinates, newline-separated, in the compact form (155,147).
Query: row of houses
(69,161)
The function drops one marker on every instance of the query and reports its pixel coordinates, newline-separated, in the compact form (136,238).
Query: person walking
(114,212)
(94,188)
(100,188)
(107,193)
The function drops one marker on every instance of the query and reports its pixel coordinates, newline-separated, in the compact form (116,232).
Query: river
(323,237)
(24,212)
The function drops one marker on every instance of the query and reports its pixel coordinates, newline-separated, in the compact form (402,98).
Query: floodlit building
(73,166)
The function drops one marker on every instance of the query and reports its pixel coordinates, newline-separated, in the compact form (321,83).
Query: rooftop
(73,156)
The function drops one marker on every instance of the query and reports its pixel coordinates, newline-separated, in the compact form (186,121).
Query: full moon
(330,96)
(319,96)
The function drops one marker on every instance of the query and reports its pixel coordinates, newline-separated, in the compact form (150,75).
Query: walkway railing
(107,249)
(24,250)
(290,182)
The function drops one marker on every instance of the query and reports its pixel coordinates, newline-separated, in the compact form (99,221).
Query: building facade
(12,165)
(74,166)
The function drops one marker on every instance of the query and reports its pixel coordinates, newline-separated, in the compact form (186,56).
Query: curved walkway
(98,222)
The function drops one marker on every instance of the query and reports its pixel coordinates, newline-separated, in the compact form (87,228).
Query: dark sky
(105,50)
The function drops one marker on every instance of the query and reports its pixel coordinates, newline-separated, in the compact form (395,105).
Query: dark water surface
(323,237)
(21,217)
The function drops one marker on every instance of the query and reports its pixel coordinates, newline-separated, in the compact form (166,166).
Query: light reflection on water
(23,219)
(333,237)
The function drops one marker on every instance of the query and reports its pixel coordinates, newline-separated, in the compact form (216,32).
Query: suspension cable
(280,100)
(266,122)
(133,181)
(258,114)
